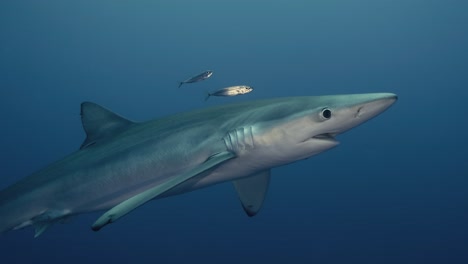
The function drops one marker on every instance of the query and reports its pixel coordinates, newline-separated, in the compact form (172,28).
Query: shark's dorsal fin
(252,191)
(99,122)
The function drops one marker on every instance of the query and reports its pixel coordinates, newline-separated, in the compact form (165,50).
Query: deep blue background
(394,191)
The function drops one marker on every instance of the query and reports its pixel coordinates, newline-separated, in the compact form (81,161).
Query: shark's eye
(326,113)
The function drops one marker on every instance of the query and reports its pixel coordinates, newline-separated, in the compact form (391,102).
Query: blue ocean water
(394,191)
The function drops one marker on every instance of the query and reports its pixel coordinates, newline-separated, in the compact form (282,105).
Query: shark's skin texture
(123,164)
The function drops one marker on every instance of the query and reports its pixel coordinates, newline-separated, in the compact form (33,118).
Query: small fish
(199,77)
(230,91)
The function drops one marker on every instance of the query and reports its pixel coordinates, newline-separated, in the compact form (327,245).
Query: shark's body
(123,164)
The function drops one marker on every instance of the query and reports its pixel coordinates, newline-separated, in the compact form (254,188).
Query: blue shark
(122,164)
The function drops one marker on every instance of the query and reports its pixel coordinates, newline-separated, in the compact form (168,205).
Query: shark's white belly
(236,168)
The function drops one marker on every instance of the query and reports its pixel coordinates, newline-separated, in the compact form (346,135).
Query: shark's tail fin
(180,84)
(207,96)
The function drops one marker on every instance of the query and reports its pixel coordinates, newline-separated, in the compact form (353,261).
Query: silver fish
(197,78)
(230,91)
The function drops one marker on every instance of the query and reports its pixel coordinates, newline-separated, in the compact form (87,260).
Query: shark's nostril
(358,112)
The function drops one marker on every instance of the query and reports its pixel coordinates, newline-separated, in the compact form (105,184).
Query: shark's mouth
(326,137)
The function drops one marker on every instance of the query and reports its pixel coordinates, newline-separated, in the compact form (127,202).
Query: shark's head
(298,128)
(333,115)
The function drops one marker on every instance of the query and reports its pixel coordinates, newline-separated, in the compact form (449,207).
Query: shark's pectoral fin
(128,205)
(252,191)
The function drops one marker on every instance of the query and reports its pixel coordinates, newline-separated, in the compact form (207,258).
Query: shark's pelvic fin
(45,220)
(40,227)
(252,191)
(99,122)
(130,204)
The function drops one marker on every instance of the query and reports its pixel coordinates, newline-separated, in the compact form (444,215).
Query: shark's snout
(375,106)
(352,110)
